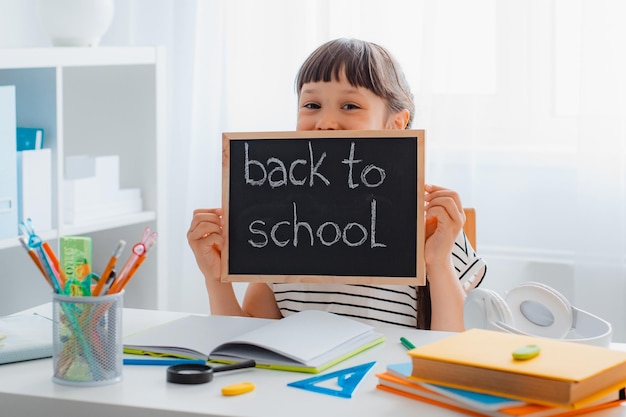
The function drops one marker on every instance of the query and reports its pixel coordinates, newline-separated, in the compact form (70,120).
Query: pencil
(110,265)
(55,263)
(48,269)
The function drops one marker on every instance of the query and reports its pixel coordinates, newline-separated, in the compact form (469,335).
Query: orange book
(564,374)
(529,410)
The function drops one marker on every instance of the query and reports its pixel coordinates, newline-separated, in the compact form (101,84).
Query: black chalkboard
(334,206)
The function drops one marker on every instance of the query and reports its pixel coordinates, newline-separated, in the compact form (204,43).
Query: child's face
(338,105)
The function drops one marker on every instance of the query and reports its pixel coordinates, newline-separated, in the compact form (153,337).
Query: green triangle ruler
(347,381)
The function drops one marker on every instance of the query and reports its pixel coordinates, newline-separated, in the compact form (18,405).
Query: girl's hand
(206,241)
(444,220)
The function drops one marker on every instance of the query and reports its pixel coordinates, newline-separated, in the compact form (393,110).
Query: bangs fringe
(349,58)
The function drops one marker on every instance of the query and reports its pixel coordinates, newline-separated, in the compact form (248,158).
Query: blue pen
(35,243)
(163,362)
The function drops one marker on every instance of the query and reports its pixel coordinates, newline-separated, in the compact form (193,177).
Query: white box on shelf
(34,184)
(113,207)
(93,190)
(79,166)
(8,163)
(108,175)
(82,192)
(85,176)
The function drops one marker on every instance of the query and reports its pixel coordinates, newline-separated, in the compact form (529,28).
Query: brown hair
(364,64)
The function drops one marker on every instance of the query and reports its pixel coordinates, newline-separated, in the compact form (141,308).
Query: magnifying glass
(199,374)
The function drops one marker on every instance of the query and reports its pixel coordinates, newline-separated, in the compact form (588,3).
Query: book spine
(492,381)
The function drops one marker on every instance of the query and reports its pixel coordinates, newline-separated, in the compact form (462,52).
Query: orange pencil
(107,270)
(62,278)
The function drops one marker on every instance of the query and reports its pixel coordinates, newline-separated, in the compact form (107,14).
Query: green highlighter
(406,343)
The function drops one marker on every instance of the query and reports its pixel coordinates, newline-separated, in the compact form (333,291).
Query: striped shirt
(375,305)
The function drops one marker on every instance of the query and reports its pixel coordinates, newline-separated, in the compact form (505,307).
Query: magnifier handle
(239,365)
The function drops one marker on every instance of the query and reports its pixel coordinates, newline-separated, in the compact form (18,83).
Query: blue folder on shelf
(29,138)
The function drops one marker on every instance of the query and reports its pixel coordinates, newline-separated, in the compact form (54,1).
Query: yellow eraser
(238,388)
(526,352)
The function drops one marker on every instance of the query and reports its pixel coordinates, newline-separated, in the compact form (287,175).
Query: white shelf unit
(97,102)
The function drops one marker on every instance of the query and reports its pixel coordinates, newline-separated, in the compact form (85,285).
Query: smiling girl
(349,84)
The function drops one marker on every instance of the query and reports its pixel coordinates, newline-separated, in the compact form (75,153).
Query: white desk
(26,389)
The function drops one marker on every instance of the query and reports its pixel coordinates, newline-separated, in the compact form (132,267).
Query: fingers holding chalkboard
(206,241)
(435,192)
(444,219)
(205,222)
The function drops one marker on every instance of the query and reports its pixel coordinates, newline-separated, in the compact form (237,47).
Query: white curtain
(523,103)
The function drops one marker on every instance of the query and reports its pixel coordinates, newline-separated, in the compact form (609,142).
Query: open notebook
(24,337)
(309,341)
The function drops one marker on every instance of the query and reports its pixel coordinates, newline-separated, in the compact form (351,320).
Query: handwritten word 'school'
(310,173)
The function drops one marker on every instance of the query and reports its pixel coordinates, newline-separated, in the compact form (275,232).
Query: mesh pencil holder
(87,339)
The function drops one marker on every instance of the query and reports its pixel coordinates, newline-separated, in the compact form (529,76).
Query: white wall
(18,27)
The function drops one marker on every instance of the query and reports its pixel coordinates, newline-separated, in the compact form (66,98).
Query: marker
(406,343)
(164,362)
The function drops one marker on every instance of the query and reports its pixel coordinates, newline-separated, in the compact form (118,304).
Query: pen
(406,343)
(107,270)
(33,256)
(163,362)
(36,244)
(109,282)
(130,273)
(137,257)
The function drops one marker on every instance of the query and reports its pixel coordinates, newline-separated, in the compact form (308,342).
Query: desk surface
(26,389)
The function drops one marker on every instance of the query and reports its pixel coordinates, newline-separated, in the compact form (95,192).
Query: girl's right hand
(206,241)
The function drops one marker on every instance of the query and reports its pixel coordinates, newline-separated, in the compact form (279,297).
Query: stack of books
(475,372)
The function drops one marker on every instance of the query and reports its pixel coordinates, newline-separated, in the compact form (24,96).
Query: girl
(350,84)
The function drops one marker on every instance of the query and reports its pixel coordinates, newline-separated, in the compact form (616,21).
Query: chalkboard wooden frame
(296,162)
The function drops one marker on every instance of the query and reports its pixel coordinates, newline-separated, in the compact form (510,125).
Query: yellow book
(565,374)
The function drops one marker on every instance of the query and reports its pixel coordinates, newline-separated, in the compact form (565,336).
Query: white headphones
(535,309)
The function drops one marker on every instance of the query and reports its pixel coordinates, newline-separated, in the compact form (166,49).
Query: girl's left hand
(444,220)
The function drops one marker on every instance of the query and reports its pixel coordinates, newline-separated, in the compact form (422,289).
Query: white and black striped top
(385,304)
